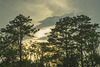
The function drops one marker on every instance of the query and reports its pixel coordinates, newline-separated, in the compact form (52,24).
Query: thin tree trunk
(81,56)
(20,53)
(66,57)
(93,52)
(20,47)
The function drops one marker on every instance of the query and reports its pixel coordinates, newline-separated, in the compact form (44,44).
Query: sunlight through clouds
(40,10)
(43,32)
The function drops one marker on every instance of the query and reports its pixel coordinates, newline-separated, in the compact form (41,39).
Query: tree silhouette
(19,28)
(72,43)
(71,34)
(88,40)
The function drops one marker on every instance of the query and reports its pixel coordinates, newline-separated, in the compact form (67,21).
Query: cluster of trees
(78,38)
(73,42)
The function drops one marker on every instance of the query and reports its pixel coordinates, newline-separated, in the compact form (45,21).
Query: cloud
(59,7)
(88,7)
(46,12)
(42,34)
(37,9)
(47,24)
(51,21)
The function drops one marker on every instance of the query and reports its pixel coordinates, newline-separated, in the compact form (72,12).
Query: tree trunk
(81,56)
(20,53)
(66,64)
(20,47)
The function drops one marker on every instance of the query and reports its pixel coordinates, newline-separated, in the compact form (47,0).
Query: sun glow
(42,33)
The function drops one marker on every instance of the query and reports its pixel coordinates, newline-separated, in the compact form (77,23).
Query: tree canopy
(77,37)
(73,42)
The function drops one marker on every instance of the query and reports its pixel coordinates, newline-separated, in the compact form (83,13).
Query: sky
(45,13)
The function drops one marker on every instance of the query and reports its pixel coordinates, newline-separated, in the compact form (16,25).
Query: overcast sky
(42,9)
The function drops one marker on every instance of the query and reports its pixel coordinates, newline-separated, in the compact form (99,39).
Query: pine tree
(62,36)
(18,29)
(75,36)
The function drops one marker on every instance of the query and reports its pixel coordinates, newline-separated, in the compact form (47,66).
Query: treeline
(73,42)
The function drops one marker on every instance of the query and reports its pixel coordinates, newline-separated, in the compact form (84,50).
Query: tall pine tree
(18,29)
(71,34)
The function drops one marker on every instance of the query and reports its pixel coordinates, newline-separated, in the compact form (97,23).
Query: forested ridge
(73,42)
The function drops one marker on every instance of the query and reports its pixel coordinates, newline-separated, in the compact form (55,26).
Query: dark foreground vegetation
(73,42)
